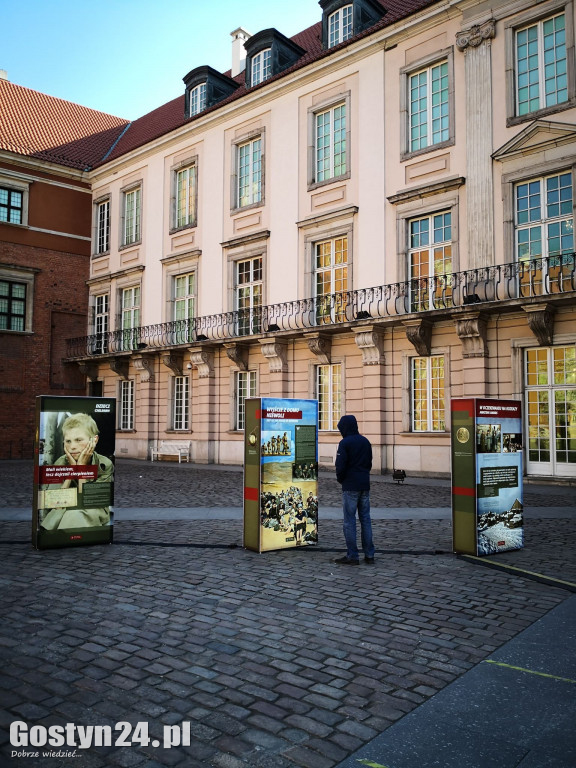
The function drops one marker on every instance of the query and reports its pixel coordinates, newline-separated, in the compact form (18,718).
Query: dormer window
(261,66)
(340,26)
(198,99)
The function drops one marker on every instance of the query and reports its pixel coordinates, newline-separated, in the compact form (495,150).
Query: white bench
(180,448)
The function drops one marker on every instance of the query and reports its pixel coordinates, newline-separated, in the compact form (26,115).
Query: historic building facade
(377,212)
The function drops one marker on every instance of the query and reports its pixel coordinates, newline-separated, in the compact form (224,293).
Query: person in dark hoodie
(353,465)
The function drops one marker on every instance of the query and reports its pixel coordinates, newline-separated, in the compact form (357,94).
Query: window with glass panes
(249,172)
(430,261)
(248,298)
(186,197)
(184,310)
(130,318)
(197,99)
(428,410)
(12,306)
(181,402)
(331,276)
(329,394)
(429,107)
(340,26)
(132,214)
(126,412)
(11,205)
(101,304)
(103,227)
(261,66)
(550,392)
(330,143)
(245,382)
(541,65)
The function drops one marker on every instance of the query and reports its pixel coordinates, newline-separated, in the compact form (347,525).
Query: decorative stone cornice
(541,322)
(476,35)
(238,353)
(145,366)
(472,332)
(202,359)
(321,346)
(370,341)
(90,370)
(275,352)
(174,361)
(120,366)
(419,334)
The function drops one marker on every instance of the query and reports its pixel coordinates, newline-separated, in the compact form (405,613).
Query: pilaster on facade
(275,351)
(145,367)
(541,322)
(202,359)
(120,366)
(90,370)
(174,361)
(475,43)
(419,334)
(238,353)
(370,341)
(321,345)
(472,330)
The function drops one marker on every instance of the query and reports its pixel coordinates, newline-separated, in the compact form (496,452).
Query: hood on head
(348,425)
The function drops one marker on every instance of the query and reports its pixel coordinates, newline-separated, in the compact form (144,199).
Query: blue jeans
(352,501)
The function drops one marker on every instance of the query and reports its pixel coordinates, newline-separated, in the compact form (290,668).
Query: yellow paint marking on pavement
(529,671)
(507,567)
(371,764)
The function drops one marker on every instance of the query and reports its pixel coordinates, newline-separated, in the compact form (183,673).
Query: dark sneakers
(346,561)
(369,560)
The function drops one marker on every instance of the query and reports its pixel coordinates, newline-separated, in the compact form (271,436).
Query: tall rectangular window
(103,227)
(428,410)
(331,275)
(126,415)
(330,143)
(181,402)
(101,304)
(130,319)
(429,107)
(430,261)
(184,310)
(329,394)
(12,306)
(261,66)
(249,172)
(541,65)
(245,382)
(132,216)
(186,197)
(340,26)
(11,205)
(248,299)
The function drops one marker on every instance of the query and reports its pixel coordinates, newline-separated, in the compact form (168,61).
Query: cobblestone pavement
(275,660)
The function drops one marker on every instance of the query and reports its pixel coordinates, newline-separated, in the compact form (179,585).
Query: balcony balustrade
(530,278)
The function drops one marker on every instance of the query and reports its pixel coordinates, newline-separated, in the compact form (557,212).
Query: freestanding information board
(487,503)
(73,471)
(280,473)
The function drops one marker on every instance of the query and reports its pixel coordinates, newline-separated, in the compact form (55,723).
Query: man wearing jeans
(353,465)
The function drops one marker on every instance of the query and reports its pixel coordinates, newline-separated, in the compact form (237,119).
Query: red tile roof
(35,125)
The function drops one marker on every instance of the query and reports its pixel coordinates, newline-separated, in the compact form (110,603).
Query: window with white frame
(248,286)
(329,395)
(330,143)
(331,279)
(186,192)
(427,393)
(428,107)
(100,323)
(249,172)
(130,317)
(103,227)
(184,307)
(132,216)
(430,261)
(244,386)
(340,25)
(541,65)
(11,205)
(261,66)
(181,403)
(12,305)
(126,411)
(197,99)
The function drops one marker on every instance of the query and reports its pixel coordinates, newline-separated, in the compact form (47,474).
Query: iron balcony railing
(541,277)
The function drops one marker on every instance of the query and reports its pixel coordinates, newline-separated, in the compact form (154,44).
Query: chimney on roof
(239,37)
(3,74)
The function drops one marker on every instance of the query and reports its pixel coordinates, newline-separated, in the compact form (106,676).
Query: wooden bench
(180,448)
